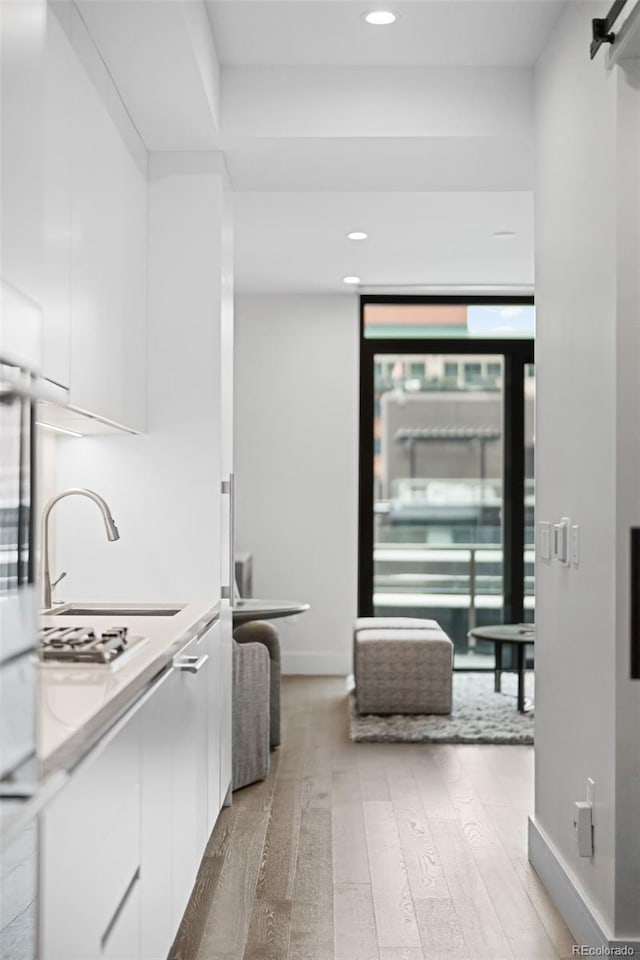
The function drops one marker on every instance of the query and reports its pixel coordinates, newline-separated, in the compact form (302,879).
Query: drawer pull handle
(191,664)
(114,919)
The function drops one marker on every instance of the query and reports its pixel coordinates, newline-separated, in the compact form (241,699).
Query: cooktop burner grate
(85,644)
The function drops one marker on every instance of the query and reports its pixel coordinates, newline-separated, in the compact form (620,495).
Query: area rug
(479,715)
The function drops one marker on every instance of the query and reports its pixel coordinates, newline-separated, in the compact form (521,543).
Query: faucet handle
(56,582)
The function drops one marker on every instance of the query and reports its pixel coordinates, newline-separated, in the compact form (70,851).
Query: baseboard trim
(315,664)
(579,914)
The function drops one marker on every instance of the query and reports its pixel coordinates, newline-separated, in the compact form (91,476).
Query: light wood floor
(373,852)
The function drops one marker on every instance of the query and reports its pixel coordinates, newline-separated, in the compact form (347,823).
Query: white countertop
(78,702)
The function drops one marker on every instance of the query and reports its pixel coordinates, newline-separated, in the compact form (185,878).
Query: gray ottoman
(402,665)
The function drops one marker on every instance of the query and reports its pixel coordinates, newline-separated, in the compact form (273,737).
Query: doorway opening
(447,487)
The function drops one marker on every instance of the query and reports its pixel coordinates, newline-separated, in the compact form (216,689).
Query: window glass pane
(418,320)
(438,501)
(472,372)
(529,493)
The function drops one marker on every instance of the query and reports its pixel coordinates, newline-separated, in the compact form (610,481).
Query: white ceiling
(332,32)
(429,163)
(296,242)
(429,203)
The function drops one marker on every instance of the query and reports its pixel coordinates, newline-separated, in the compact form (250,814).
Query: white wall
(163,486)
(296,461)
(584,451)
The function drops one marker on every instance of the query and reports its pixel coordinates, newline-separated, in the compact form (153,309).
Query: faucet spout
(109,523)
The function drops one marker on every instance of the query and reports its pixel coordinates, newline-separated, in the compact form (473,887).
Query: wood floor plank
(401,953)
(482,930)
(440,930)
(349,842)
(522,926)
(312,932)
(225,931)
(269,931)
(355,935)
(187,942)
(513,834)
(394,912)
(435,800)
(424,871)
(312,936)
(371,768)
(280,851)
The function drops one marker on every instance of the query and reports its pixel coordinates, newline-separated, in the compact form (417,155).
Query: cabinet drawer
(91,849)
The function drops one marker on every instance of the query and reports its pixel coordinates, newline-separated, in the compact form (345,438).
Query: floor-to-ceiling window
(446,469)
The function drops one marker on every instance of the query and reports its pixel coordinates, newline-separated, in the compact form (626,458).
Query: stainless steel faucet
(112,534)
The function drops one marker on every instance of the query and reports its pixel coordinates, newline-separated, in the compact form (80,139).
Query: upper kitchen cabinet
(22,41)
(58,132)
(96,231)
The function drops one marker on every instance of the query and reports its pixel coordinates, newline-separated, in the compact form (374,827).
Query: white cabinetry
(215,696)
(22,36)
(58,131)
(123,841)
(190,771)
(158,737)
(181,752)
(91,855)
(95,232)
(108,262)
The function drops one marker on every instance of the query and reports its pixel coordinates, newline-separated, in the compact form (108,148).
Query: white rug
(479,715)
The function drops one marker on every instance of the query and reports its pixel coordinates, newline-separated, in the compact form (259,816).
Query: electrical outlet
(583,828)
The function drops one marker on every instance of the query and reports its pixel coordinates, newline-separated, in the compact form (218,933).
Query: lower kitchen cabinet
(214,749)
(181,799)
(191,758)
(158,747)
(91,854)
(123,841)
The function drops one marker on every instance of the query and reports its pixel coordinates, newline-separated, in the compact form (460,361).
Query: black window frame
(517,353)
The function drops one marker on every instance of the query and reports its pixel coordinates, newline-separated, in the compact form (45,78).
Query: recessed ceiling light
(381,18)
(504,234)
(351,280)
(357,235)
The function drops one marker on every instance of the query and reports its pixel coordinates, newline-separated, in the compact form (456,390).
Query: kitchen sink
(111,610)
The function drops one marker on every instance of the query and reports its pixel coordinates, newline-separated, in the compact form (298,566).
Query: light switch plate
(575,544)
(561,550)
(544,540)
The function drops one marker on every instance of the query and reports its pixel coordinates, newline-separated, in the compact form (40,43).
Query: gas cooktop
(87,645)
